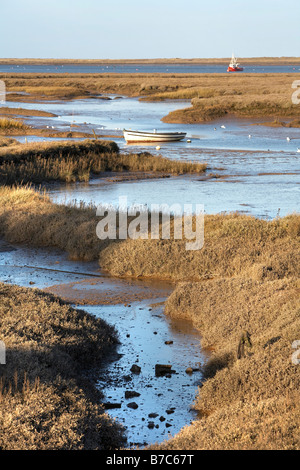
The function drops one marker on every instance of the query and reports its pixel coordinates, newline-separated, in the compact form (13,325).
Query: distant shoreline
(175,61)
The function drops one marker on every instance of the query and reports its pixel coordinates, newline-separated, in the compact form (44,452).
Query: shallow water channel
(253,168)
(162,405)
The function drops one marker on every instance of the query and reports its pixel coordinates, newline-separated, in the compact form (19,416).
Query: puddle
(160,405)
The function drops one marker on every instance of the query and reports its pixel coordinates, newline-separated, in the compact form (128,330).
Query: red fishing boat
(234,66)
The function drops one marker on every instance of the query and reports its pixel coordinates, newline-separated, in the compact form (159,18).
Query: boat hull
(235,69)
(137,136)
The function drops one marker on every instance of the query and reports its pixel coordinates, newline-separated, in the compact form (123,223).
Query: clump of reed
(69,162)
(179,93)
(58,149)
(8,124)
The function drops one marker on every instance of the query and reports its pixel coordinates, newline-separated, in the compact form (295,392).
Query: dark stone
(109,406)
(131,394)
(163,369)
(133,405)
(127,378)
(135,369)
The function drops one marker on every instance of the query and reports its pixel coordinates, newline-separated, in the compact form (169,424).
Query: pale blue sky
(136,29)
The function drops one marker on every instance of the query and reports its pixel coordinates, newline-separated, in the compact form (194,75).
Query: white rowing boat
(139,136)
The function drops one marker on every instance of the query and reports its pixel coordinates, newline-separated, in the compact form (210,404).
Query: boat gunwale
(156,134)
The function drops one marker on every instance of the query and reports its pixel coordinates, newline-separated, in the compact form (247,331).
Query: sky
(139,29)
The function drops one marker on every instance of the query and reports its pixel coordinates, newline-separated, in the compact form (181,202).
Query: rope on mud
(56,270)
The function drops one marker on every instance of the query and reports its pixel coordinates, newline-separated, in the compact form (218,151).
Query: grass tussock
(8,124)
(69,162)
(245,106)
(8,141)
(46,403)
(29,151)
(71,228)
(234,244)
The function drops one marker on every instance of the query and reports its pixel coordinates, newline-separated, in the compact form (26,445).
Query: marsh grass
(69,162)
(212,95)
(46,403)
(7,124)
(252,402)
(24,112)
(7,141)
(207,61)
(246,277)
(244,106)
(234,244)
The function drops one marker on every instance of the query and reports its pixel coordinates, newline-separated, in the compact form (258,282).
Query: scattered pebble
(131,394)
(133,405)
(135,369)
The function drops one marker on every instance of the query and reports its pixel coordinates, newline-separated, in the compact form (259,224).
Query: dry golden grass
(234,244)
(7,141)
(24,112)
(46,404)
(270,424)
(70,228)
(252,402)
(246,96)
(7,124)
(213,95)
(246,277)
(62,149)
(77,161)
